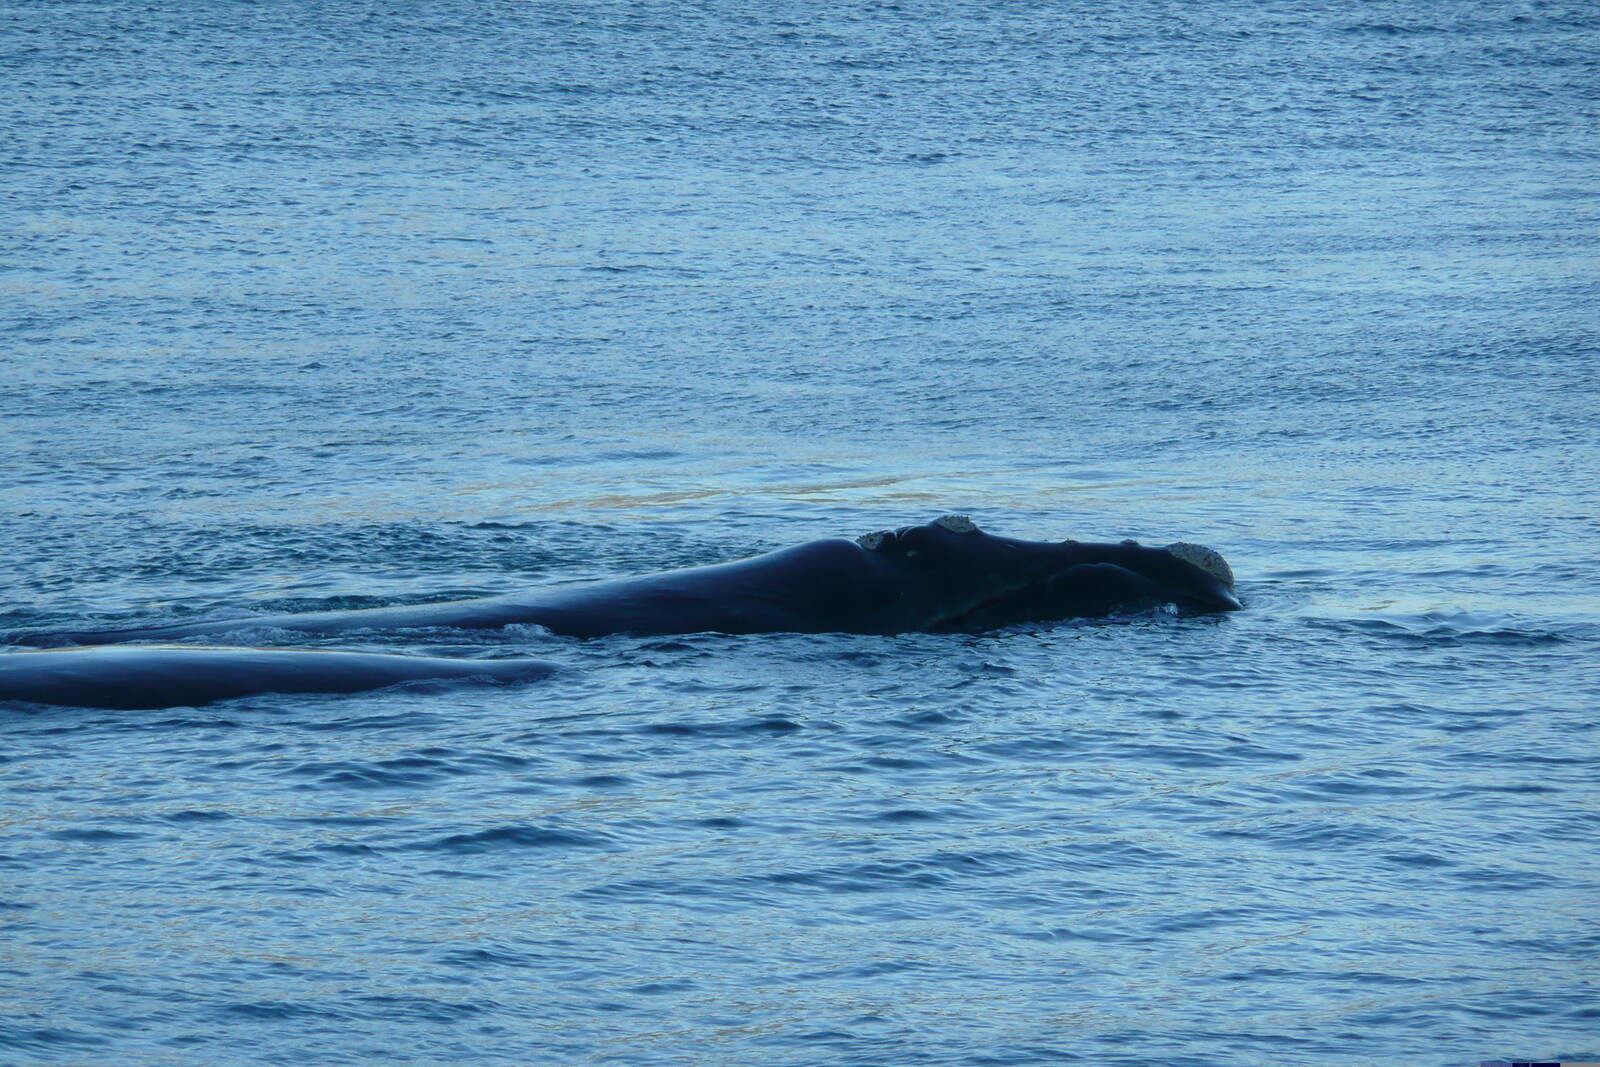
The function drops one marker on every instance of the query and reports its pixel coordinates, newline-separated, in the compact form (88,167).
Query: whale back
(131,677)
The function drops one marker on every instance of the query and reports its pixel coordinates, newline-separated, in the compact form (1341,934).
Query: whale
(944,576)
(136,677)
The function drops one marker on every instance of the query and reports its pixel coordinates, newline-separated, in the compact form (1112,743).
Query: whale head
(962,578)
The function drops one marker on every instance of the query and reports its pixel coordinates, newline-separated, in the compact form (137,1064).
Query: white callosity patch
(1207,559)
(953,523)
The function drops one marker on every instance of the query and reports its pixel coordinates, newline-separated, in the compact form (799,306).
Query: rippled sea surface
(309,305)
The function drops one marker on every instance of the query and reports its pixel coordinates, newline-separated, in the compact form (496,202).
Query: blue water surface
(313,305)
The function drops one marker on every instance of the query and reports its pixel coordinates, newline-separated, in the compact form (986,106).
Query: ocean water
(309,305)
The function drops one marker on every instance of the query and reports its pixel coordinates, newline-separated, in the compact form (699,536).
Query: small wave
(603,781)
(195,816)
(383,774)
(1388,29)
(774,725)
(903,816)
(278,1010)
(95,837)
(1453,628)
(923,720)
(480,958)
(681,985)
(1416,858)
(426,1009)
(511,838)
(1300,835)
(1087,934)
(46,1039)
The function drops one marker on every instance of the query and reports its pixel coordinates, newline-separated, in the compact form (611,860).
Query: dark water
(312,305)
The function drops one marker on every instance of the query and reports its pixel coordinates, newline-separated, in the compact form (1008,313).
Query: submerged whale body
(944,576)
(129,677)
